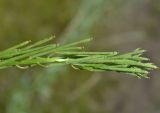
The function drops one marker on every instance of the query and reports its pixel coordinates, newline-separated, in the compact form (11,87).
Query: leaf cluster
(26,55)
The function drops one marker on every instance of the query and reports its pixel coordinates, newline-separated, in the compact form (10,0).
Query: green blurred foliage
(32,19)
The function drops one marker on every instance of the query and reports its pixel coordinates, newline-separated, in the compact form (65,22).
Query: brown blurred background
(116,25)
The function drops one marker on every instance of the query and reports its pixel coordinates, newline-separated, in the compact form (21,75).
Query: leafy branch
(26,55)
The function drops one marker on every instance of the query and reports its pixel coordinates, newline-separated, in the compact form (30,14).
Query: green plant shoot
(42,53)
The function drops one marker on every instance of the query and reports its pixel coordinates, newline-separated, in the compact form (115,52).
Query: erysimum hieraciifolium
(41,53)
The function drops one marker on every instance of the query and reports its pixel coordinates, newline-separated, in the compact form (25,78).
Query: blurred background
(116,25)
